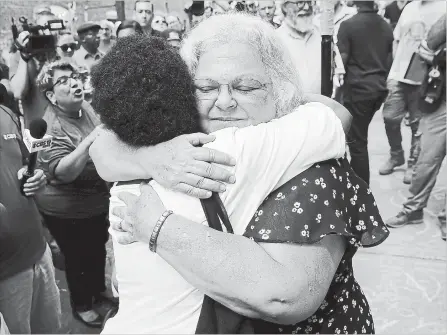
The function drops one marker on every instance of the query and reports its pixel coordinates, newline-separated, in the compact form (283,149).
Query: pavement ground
(404,278)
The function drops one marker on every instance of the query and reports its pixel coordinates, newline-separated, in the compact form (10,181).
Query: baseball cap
(171,35)
(88,26)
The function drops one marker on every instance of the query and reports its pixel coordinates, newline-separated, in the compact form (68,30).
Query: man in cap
(172,36)
(88,53)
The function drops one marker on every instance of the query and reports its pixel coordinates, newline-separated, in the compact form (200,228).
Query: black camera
(38,42)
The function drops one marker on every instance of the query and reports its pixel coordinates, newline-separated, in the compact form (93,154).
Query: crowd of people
(207,154)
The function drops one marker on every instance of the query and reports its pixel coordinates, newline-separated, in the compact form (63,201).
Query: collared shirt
(412,27)
(83,58)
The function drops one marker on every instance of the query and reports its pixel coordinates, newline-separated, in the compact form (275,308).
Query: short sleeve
(328,198)
(61,146)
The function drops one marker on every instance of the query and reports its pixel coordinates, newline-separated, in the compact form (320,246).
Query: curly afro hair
(144,93)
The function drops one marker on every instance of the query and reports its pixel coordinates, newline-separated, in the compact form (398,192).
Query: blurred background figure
(159,23)
(303,40)
(174,22)
(393,12)
(107,40)
(112,16)
(251,7)
(172,36)
(128,28)
(143,14)
(66,47)
(208,9)
(367,62)
(266,11)
(74,203)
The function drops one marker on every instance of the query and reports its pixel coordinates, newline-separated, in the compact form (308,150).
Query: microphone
(35,140)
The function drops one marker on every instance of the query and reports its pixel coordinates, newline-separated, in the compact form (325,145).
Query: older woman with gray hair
(288,267)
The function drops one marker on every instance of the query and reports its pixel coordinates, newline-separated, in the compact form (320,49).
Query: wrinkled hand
(177,164)
(139,216)
(34,183)
(186,168)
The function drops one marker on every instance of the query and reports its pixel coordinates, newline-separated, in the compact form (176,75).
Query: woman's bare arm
(280,283)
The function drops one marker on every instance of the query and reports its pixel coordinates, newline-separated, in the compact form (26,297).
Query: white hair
(262,37)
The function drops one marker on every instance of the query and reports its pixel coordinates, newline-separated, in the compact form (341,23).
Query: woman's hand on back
(178,164)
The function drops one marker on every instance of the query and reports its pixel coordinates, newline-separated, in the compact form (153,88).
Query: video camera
(38,42)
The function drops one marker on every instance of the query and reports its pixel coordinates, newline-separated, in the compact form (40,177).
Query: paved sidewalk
(404,278)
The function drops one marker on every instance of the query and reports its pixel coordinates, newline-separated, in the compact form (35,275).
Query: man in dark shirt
(393,11)
(365,42)
(29,297)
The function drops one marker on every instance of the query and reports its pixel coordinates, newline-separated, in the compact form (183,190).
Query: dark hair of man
(365,4)
(144,93)
(129,24)
(135,6)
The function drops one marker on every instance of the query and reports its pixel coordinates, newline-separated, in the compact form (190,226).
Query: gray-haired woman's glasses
(207,89)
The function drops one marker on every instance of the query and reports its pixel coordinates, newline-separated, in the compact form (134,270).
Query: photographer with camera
(36,45)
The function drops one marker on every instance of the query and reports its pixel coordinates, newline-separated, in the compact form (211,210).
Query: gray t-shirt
(88,194)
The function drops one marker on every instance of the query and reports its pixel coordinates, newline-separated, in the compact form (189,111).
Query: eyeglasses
(64,79)
(65,47)
(243,88)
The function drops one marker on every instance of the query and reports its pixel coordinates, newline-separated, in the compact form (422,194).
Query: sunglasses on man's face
(65,47)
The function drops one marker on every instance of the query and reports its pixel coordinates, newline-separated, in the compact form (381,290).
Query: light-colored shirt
(154,298)
(85,59)
(306,55)
(411,29)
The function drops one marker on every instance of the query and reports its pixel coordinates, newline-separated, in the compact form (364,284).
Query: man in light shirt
(303,40)
(405,79)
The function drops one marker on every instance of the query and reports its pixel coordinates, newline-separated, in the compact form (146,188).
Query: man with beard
(88,54)
(303,39)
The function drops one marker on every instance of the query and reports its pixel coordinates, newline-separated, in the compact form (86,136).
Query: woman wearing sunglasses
(66,46)
(74,204)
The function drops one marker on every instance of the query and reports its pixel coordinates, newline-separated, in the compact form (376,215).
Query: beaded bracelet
(156,231)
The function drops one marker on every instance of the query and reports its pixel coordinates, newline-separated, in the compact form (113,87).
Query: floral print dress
(328,198)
